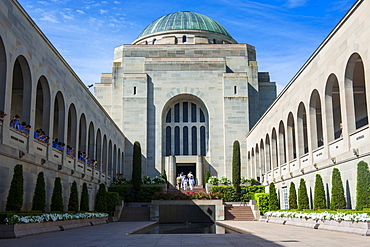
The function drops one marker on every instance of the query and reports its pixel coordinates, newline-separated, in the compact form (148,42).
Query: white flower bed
(322,216)
(52,217)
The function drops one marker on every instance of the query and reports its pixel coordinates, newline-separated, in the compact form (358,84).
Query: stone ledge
(361,228)
(21,230)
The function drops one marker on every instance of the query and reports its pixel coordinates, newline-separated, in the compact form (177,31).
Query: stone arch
(292,148)
(302,130)
(59,116)
(333,108)
(115,158)
(316,130)
(262,158)
(274,149)
(268,154)
(21,89)
(282,144)
(104,162)
(258,163)
(3,69)
(98,148)
(110,159)
(355,93)
(43,102)
(82,134)
(185,126)
(72,126)
(91,141)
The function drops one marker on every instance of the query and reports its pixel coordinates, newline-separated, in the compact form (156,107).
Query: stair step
(238,213)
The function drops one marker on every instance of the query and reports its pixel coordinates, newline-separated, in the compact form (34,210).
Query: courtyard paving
(262,234)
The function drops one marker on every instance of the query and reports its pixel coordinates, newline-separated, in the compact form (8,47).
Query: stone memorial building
(186,90)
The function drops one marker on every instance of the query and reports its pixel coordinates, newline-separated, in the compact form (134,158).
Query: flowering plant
(322,216)
(201,195)
(213,180)
(225,180)
(15,219)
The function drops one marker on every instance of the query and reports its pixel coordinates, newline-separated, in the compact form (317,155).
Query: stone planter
(361,228)
(21,230)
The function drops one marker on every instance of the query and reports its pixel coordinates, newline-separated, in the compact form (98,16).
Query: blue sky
(284,32)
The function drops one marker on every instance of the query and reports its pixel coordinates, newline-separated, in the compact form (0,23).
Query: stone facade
(38,84)
(320,119)
(220,79)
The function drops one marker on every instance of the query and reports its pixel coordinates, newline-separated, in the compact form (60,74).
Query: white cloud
(43,3)
(296,3)
(103,11)
(116,2)
(104,2)
(68,17)
(80,12)
(49,17)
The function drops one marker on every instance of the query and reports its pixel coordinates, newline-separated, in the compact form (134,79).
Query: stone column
(199,170)
(170,164)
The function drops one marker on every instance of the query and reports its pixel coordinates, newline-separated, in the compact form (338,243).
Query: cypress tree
(273,198)
(57,197)
(14,201)
(363,186)
(136,168)
(338,200)
(164,175)
(39,197)
(73,198)
(101,199)
(303,196)
(319,201)
(84,199)
(292,196)
(207,176)
(236,167)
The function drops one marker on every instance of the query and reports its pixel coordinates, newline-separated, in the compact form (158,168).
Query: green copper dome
(184,20)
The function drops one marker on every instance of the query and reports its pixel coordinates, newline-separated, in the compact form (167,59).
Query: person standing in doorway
(191,180)
(178,182)
(182,176)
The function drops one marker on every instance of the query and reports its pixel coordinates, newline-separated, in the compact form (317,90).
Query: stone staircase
(135,212)
(196,188)
(233,212)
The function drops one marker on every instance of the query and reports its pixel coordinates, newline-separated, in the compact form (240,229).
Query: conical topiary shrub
(136,168)
(236,167)
(292,196)
(207,176)
(101,199)
(273,198)
(14,201)
(303,196)
(73,198)
(84,199)
(338,201)
(57,197)
(39,197)
(319,201)
(363,186)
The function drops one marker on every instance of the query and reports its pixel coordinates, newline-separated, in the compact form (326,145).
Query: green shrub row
(230,195)
(262,200)
(126,192)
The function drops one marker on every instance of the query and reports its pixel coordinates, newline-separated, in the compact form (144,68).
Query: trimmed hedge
(14,201)
(39,197)
(112,201)
(251,191)
(207,176)
(101,199)
(236,167)
(136,168)
(262,200)
(57,197)
(126,192)
(292,197)
(338,201)
(273,198)
(303,202)
(319,200)
(363,186)
(230,195)
(84,199)
(73,198)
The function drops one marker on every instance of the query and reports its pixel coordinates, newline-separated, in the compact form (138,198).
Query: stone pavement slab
(262,234)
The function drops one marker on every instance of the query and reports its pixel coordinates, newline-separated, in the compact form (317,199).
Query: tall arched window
(72,126)
(59,116)
(42,114)
(185,129)
(21,90)
(282,144)
(316,120)
(82,134)
(91,141)
(333,108)
(274,149)
(184,39)
(292,150)
(268,153)
(302,130)
(356,93)
(262,158)
(3,67)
